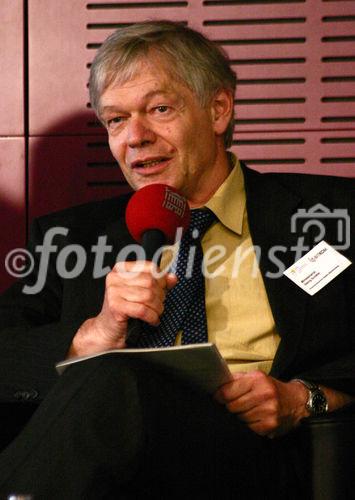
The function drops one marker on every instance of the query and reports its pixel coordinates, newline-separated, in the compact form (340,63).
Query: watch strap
(309,385)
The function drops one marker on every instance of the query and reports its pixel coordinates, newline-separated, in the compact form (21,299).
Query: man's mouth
(148,163)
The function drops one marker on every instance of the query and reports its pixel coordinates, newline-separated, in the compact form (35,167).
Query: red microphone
(154,214)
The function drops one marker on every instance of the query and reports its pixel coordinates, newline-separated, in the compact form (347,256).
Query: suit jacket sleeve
(33,336)
(36,329)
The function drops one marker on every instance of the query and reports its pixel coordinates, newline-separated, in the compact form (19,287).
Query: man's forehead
(148,83)
(155,70)
(143,89)
(152,63)
(151,80)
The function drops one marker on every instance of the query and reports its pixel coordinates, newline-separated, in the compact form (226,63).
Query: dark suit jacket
(317,333)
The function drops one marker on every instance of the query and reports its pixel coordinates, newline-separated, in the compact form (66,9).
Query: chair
(331,455)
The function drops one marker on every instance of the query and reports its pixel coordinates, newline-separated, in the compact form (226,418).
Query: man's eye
(162,109)
(114,121)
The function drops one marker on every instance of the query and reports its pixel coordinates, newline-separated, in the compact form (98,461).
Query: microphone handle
(152,240)
(133,332)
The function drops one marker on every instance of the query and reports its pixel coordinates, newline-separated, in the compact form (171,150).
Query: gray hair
(198,62)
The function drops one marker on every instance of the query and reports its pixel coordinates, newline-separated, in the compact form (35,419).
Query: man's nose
(139,133)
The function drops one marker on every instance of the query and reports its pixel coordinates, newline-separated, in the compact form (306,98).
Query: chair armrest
(331,448)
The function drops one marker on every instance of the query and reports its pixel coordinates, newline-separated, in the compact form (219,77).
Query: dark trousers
(115,429)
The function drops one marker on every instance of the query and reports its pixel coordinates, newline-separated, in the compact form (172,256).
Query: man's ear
(222,106)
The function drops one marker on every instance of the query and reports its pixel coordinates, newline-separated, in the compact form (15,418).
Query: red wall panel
(12,198)
(12,143)
(294,63)
(76,169)
(11,68)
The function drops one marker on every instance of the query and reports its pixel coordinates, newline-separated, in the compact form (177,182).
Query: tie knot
(201,220)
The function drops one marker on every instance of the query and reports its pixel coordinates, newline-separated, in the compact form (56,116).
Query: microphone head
(157,206)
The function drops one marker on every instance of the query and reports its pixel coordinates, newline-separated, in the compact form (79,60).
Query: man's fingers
(171,280)
(122,310)
(143,312)
(142,303)
(136,266)
(235,389)
(149,296)
(142,273)
(136,290)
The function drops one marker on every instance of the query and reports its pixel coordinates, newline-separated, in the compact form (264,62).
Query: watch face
(318,404)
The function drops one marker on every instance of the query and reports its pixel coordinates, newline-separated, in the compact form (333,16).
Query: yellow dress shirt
(239,317)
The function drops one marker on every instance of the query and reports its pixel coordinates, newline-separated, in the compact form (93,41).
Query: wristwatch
(317,403)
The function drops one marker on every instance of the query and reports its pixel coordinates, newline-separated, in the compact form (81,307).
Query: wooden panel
(295,101)
(69,170)
(61,46)
(12,201)
(281,51)
(11,67)
(313,152)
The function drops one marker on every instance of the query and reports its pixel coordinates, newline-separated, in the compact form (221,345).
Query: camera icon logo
(320,217)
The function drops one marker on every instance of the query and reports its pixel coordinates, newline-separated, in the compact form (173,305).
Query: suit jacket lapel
(270,207)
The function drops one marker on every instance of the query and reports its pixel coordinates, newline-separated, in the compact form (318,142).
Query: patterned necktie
(184,308)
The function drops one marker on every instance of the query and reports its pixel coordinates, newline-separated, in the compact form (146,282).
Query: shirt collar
(228,202)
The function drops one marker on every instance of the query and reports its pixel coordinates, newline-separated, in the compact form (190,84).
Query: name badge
(317,268)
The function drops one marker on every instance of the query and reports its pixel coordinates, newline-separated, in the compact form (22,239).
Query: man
(110,429)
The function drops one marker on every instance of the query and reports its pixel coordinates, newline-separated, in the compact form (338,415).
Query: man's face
(159,133)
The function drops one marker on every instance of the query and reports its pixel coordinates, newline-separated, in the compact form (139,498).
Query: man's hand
(133,290)
(268,406)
